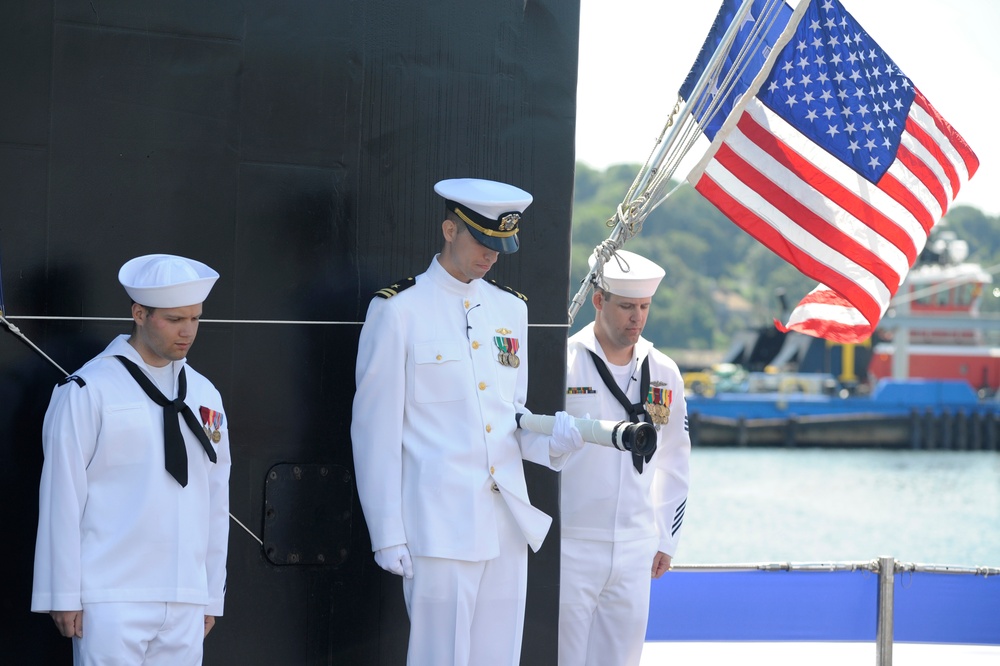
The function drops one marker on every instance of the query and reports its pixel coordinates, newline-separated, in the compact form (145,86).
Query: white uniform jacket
(603,497)
(113,524)
(433,424)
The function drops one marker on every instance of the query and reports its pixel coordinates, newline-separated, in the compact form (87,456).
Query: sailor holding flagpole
(621,514)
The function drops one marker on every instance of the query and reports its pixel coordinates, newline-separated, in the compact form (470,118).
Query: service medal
(212,423)
(508,349)
(658,405)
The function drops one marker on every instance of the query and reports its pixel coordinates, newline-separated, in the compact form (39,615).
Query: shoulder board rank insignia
(395,288)
(508,290)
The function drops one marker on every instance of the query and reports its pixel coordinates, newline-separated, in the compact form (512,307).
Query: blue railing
(828,602)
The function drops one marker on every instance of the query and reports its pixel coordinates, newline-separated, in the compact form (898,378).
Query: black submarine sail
(294,149)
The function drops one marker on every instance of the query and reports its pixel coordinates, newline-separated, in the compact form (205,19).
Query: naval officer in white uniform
(441,372)
(133,528)
(621,514)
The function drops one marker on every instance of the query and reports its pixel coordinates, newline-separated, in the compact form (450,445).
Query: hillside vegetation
(718,280)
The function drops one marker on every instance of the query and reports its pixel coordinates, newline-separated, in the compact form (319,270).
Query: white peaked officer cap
(166,281)
(490,210)
(628,275)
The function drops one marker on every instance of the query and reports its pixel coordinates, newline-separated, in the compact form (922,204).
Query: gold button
(482,386)
(467,305)
(438,357)
(489,428)
(475,344)
(493,470)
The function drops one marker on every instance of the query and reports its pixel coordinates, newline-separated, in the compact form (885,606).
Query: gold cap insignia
(509,222)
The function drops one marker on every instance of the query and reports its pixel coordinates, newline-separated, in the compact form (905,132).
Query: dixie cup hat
(166,281)
(629,275)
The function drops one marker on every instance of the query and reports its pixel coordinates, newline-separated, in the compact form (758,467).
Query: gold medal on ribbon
(658,405)
(508,349)
(212,421)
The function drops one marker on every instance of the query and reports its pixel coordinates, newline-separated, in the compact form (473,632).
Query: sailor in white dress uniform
(621,515)
(133,530)
(441,372)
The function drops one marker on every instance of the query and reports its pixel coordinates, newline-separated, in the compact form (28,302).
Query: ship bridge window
(965,294)
(942,297)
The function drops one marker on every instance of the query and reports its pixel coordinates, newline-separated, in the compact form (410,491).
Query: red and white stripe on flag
(788,184)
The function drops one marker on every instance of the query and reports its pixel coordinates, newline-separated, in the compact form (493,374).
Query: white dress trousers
(148,633)
(470,613)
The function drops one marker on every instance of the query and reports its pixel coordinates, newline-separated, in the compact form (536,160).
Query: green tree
(719,280)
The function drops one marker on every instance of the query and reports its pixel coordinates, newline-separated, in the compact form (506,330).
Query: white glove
(566,437)
(395,559)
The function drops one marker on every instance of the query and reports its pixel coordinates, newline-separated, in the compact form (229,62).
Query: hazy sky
(634,55)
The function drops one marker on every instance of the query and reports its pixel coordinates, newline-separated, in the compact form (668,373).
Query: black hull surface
(293,147)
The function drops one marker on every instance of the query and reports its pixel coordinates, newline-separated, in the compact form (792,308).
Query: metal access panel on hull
(307,514)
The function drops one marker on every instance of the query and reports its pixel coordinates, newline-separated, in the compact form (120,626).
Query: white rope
(246,529)
(294,322)
(872,566)
(705,108)
(649,189)
(16,331)
(282,322)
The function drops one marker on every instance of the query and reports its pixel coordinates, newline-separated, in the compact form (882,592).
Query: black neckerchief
(174,452)
(634,411)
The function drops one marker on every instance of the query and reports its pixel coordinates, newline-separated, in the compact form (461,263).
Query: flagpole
(631,212)
(695,98)
(698,109)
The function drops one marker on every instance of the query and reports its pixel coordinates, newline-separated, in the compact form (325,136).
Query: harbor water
(835,505)
(832,505)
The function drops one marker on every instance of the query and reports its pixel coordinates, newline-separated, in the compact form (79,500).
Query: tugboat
(946,337)
(922,381)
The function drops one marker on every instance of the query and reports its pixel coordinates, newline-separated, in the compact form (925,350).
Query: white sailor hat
(628,275)
(166,281)
(490,210)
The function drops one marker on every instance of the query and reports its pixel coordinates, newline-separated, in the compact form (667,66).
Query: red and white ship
(934,329)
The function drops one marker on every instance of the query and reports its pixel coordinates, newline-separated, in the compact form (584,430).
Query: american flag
(837,163)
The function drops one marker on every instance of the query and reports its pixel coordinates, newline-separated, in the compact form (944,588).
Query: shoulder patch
(72,378)
(395,288)
(508,290)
